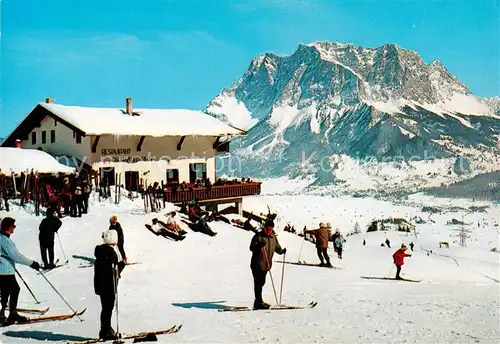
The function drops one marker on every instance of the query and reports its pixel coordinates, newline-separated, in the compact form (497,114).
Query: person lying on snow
(162,229)
(215,216)
(237,223)
(171,224)
(399,259)
(203,227)
(195,212)
(199,219)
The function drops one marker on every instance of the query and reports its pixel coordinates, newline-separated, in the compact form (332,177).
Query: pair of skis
(33,310)
(57,265)
(138,337)
(391,279)
(303,263)
(272,308)
(45,318)
(89,265)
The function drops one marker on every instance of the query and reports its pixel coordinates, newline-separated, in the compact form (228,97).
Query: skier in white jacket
(9,256)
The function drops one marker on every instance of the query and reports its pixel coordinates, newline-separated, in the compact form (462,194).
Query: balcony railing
(216,192)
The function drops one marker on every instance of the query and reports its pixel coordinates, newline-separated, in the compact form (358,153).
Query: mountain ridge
(330,99)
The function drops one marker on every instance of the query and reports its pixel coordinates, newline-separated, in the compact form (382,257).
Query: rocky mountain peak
(329,106)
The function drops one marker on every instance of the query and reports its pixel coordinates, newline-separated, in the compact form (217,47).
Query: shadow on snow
(44,335)
(202,305)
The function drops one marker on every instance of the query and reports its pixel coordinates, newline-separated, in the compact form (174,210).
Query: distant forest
(482,187)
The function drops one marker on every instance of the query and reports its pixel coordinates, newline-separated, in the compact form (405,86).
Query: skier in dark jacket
(78,207)
(48,227)
(334,237)
(87,189)
(9,256)
(115,225)
(263,246)
(107,271)
(388,243)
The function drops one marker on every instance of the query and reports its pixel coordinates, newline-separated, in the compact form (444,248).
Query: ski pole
(62,248)
(115,274)
(62,298)
(26,284)
(392,269)
(282,276)
(301,245)
(271,275)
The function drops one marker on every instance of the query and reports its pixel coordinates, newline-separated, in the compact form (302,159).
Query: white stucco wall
(65,142)
(156,156)
(159,153)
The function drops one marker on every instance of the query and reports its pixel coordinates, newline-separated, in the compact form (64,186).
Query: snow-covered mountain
(493,103)
(330,105)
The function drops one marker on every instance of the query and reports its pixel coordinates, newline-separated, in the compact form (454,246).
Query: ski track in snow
(185,282)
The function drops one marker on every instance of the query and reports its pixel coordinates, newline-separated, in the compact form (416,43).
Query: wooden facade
(215,193)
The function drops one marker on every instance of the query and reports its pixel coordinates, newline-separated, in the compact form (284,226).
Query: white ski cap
(110,237)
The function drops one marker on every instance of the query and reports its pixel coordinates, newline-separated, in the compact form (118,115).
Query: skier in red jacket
(399,259)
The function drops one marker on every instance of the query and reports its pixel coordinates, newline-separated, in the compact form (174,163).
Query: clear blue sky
(180,54)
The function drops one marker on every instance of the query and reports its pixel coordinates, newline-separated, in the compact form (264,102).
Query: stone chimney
(128,106)
(49,100)
(19,143)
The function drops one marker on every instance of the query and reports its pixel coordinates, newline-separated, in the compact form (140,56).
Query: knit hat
(322,225)
(269,223)
(110,237)
(7,222)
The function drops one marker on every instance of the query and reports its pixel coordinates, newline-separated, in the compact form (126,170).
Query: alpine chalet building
(170,146)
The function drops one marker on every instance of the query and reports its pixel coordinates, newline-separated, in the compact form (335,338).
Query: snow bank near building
(21,160)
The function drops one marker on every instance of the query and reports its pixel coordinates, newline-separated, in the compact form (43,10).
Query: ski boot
(328,264)
(13,318)
(2,316)
(260,305)
(108,334)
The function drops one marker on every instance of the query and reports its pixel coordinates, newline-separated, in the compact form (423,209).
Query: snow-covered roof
(19,160)
(149,122)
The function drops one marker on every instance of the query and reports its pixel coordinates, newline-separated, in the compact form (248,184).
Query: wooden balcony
(215,193)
